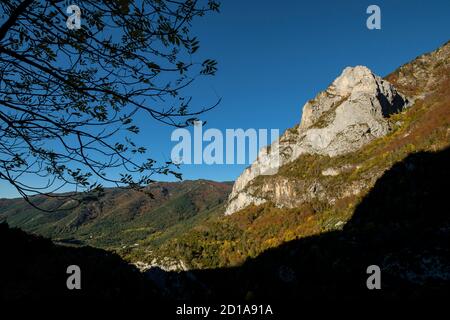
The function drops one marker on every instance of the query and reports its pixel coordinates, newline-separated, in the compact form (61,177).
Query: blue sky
(274,56)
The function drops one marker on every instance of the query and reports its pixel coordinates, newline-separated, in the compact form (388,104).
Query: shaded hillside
(402,225)
(121,217)
(34,268)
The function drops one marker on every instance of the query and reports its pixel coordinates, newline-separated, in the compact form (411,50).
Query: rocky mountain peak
(351,79)
(350,113)
(354,84)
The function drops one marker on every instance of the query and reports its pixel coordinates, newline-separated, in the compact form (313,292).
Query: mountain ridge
(354,110)
(119,214)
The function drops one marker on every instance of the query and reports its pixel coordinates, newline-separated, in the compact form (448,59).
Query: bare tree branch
(69,98)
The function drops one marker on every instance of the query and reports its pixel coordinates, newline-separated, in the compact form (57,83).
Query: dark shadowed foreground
(402,226)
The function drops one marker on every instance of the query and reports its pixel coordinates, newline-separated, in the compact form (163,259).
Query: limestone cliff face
(350,113)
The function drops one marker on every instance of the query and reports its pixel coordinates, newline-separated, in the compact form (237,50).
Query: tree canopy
(69,97)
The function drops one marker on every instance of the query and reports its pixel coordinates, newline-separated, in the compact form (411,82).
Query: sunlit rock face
(350,113)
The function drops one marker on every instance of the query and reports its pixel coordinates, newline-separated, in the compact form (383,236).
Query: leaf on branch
(209,67)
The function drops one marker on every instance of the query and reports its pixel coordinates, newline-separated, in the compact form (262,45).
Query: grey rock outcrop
(350,113)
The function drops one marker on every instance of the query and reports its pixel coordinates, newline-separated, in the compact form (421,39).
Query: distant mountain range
(120,217)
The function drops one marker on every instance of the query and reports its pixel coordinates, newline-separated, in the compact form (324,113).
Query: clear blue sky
(274,56)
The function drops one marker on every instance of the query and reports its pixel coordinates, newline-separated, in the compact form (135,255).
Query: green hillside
(121,217)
